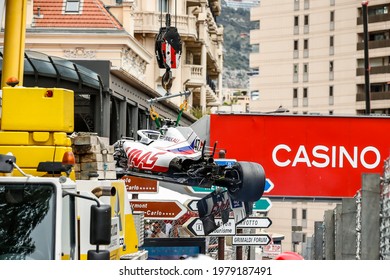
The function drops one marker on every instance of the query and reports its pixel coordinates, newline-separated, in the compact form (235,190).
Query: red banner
(306,156)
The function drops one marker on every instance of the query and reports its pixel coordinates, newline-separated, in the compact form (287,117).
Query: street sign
(259,239)
(262,205)
(272,250)
(140,185)
(159,210)
(191,204)
(268,185)
(202,190)
(194,226)
(255,222)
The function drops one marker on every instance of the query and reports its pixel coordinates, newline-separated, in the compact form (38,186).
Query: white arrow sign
(195,227)
(192,204)
(255,222)
(260,239)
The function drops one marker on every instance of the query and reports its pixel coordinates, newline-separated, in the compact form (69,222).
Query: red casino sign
(306,156)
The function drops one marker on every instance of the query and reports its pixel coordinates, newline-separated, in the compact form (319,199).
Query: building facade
(201,59)
(113,42)
(310,56)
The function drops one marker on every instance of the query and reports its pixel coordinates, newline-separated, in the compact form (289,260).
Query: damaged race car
(177,155)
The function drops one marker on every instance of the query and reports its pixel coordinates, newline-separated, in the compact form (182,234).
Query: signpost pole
(221,239)
(239,248)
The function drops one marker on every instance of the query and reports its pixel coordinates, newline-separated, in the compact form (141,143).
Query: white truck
(54,218)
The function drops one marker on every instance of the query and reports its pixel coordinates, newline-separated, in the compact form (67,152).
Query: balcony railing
(194,74)
(384,95)
(374,44)
(374,70)
(150,22)
(373,19)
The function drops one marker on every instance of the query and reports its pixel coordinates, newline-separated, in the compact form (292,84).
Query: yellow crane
(14,40)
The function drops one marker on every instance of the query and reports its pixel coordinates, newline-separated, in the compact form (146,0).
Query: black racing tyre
(252,185)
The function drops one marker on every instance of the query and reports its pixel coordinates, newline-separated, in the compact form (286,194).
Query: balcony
(374,44)
(194,74)
(374,70)
(149,22)
(373,19)
(384,95)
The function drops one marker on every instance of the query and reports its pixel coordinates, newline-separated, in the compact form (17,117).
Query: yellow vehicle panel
(34,138)
(31,156)
(37,109)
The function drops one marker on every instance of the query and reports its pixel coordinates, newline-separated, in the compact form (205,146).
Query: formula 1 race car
(177,155)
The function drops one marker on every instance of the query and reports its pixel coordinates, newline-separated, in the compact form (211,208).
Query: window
(305,44)
(306,48)
(331,24)
(306,4)
(294,214)
(296,49)
(304,214)
(305,72)
(72,6)
(295,45)
(304,218)
(163,5)
(331,99)
(295,97)
(295,93)
(306,24)
(295,76)
(306,20)
(255,48)
(331,45)
(331,70)
(296,5)
(296,25)
(295,68)
(305,97)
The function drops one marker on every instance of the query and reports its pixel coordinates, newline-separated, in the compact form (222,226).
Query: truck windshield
(27,227)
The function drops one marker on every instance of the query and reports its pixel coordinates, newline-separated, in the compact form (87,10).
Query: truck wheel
(252,184)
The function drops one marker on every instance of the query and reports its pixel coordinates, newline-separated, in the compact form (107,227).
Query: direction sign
(268,185)
(192,204)
(202,190)
(259,239)
(159,210)
(255,222)
(194,226)
(262,205)
(140,185)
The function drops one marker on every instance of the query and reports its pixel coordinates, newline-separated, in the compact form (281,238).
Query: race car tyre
(252,185)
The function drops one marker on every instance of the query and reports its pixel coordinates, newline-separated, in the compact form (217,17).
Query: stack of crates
(94,157)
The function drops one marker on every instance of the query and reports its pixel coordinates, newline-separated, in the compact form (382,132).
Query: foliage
(198,113)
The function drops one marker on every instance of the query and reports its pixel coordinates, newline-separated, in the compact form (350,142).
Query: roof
(90,14)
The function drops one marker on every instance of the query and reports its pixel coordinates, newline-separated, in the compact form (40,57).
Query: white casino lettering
(322,156)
